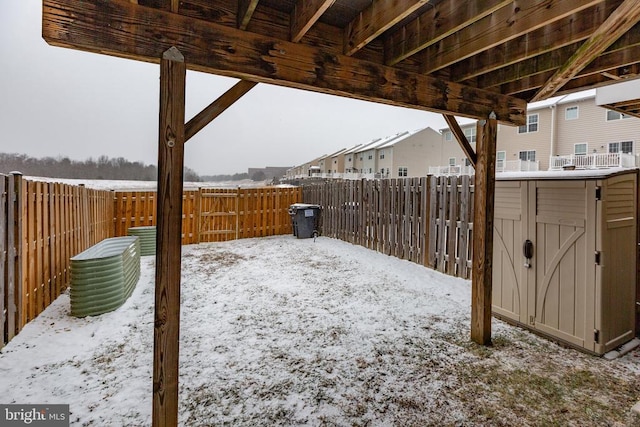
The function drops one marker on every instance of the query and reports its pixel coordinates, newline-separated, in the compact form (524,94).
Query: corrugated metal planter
(147,236)
(104,276)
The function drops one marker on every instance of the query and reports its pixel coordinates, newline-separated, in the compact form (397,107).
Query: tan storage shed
(564,262)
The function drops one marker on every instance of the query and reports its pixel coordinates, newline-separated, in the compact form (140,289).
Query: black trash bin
(305,220)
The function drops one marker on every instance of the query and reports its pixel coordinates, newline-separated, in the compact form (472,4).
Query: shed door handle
(527,249)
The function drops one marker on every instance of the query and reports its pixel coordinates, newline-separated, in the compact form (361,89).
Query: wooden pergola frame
(484,59)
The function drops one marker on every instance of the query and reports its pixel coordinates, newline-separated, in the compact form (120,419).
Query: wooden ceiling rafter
(504,46)
(569,30)
(305,14)
(245,12)
(625,17)
(280,62)
(421,32)
(504,24)
(375,20)
(603,64)
(557,58)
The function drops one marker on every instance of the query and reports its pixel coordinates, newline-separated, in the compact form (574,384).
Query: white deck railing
(592,161)
(451,170)
(517,165)
(501,166)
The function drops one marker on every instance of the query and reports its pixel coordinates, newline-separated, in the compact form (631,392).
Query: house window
(335,161)
(501,156)
(470,134)
(580,149)
(467,162)
(448,136)
(348,159)
(528,155)
(381,154)
(402,171)
(621,147)
(571,113)
(531,126)
(370,156)
(452,161)
(360,158)
(614,115)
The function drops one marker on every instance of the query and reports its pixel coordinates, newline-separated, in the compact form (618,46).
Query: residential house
(407,154)
(305,170)
(565,130)
(364,159)
(349,161)
(340,160)
(328,164)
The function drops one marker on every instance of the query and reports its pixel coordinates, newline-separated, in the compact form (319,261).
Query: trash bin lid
(303,206)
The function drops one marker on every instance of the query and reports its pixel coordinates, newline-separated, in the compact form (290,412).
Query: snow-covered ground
(286,331)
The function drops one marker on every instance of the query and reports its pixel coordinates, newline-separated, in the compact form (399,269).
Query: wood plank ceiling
(451,56)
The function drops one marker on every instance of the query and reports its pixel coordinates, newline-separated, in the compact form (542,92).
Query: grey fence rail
(425,220)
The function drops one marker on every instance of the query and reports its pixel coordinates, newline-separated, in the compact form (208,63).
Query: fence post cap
(16,173)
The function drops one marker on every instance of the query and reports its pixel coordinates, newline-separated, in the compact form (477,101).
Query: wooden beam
(375,20)
(553,60)
(619,22)
(566,31)
(217,107)
(461,138)
(505,24)
(119,28)
(441,21)
(166,332)
(245,12)
(305,14)
(482,275)
(605,62)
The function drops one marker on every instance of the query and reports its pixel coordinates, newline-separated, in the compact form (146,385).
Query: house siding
(592,127)
(512,142)
(415,153)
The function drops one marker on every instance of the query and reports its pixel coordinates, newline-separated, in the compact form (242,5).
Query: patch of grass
(548,395)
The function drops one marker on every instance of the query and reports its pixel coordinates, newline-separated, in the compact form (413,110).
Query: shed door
(563,267)
(509,288)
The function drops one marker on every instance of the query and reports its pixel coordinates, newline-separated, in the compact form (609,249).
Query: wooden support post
(483,231)
(168,239)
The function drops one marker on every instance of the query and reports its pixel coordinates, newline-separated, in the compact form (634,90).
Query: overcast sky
(62,102)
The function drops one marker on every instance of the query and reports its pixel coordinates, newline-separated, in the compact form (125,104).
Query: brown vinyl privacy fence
(425,220)
(44,224)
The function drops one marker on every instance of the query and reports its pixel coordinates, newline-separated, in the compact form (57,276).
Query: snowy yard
(281,331)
